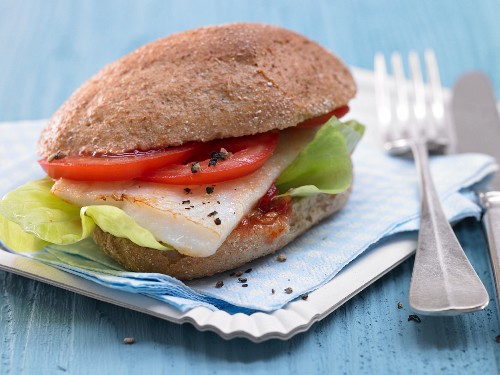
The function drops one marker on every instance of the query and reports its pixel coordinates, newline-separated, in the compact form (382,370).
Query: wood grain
(48,48)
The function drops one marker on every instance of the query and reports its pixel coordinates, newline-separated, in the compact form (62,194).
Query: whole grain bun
(243,245)
(203,84)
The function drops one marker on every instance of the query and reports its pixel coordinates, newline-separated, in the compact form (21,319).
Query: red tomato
(320,120)
(115,167)
(248,155)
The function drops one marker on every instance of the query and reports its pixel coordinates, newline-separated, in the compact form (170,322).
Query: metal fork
(443,281)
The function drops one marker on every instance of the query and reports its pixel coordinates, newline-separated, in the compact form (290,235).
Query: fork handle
(443,280)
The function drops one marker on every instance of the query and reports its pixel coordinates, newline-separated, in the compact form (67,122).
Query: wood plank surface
(48,48)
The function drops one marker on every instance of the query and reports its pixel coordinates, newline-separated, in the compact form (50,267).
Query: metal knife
(477,129)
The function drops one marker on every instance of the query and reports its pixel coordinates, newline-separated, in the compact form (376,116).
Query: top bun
(203,84)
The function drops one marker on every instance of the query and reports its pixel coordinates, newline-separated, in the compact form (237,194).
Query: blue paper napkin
(385,201)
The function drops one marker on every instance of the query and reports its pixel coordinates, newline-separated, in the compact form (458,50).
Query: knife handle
(491,222)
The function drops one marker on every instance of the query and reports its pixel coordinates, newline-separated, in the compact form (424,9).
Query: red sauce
(271,212)
(269,202)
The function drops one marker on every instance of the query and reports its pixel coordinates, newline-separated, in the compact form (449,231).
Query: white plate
(295,317)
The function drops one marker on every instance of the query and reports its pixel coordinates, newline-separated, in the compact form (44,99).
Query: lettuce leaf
(39,212)
(14,237)
(324,165)
(31,217)
(115,221)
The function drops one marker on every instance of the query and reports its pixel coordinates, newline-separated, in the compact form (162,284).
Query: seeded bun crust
(242,246)
(203,84)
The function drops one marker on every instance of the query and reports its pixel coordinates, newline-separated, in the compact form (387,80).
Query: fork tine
(435,83)
(381,91)
(442,134)
(402,111)
(418,86)
(419,103)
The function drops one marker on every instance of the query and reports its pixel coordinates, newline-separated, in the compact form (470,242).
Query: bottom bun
(244,244)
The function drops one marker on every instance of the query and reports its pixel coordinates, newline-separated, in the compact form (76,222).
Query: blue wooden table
(48,48)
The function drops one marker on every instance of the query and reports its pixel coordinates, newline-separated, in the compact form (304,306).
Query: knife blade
(477,129)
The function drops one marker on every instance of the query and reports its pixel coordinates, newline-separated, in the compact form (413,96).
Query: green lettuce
(115,221)
(14,237)
(324,165)
(31,217)
(39,213)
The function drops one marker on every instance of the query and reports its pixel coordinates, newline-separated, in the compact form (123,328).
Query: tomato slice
(249,153)
(173,165)
(320,120)
(115,167)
